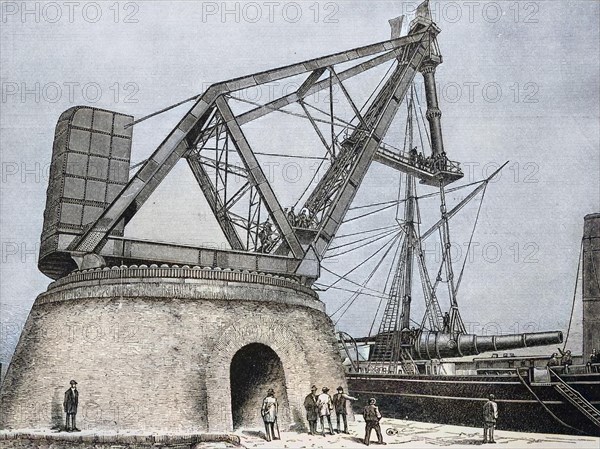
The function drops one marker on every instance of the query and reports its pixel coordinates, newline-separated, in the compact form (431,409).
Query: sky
(519,83)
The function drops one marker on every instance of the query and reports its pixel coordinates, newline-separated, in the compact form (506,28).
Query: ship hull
(458,400)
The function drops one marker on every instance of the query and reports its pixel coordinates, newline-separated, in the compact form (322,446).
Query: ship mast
(453,322)
(395,339)
(408,225)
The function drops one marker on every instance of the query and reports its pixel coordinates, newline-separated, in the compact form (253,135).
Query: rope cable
(364,284)
(380,296)
(283,111)
(327,114)
(369,277)
(363,262)
(422,118)
(470,241)
(369,98)
(392,265)
(347,280)
(375,238)
(363,232)
(417,120)
(310,182)
(367,214)
(429,195)
(544,405)
(160,111)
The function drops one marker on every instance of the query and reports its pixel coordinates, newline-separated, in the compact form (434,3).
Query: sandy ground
(411,434)
(396,433)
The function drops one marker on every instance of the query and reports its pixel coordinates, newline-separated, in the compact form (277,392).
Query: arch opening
(254,369)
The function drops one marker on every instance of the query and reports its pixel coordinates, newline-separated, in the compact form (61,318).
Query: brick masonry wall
(29,440)
(150,355)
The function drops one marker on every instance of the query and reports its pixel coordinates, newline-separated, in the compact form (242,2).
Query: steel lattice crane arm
(190,129)
(333,195)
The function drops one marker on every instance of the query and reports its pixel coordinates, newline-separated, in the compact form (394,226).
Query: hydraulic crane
(211,138)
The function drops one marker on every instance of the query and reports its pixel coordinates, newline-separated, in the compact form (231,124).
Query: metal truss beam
(317,130)
(258,178)
(346,178)
(149,176)
(293,97)
(215,203)
(318,63)
(118,250)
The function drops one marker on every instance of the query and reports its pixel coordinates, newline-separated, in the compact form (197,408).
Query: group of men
(318,407)
(565,359)
(436,162)
(304,219)
(268,235)
(321,406)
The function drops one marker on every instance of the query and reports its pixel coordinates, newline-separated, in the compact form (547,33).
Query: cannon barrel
(433,345)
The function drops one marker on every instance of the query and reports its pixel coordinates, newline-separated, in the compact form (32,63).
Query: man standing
(339,403)
(312,411)
(325,405)
(490,415)
(553,360)
(70,407)
(566,359)
(269,415)
(594,361)
(372,417)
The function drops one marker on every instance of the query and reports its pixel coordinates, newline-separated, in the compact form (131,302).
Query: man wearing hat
(312,411)
(372,417)
(325,406)
(70,407)
(269,415)
(490,415)
(339,403)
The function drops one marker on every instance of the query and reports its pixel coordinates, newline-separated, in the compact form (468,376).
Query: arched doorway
(254,369)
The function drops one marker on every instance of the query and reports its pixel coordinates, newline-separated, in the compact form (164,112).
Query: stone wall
(29,440)
(153,353)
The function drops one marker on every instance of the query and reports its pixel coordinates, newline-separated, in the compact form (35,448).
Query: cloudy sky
(519,83)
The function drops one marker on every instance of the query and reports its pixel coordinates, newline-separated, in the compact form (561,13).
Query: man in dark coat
(70,407)
(312,412)
(339,403)
(372,417)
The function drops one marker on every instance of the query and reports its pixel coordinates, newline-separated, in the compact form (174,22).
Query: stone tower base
(170,349)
